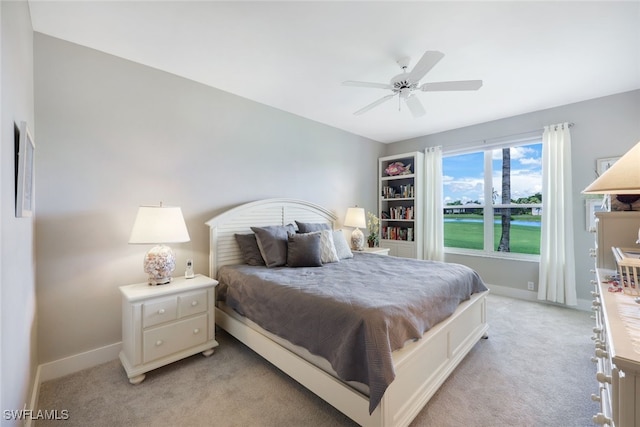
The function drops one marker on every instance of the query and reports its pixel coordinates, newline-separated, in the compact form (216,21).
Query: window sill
(496,255)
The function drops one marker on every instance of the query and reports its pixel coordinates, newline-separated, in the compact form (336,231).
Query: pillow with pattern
(342,247)
(327,247)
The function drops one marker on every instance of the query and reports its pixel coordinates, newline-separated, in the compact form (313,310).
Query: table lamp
(356,218)
(622,178)
(159,225)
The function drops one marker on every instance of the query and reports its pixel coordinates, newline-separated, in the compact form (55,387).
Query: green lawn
(523,239)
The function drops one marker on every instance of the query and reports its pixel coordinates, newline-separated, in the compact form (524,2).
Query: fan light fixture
(158,225)
(356,218)
(406,83)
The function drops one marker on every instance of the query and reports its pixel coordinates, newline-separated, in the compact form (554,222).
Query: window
(493,200)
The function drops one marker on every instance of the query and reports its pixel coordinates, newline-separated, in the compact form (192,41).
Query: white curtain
(557,281)
(433,217)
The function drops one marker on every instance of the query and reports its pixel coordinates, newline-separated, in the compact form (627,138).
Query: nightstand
(378,251)
(165,323)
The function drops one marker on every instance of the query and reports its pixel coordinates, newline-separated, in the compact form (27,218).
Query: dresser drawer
(165,340)
(159,311)
(192,303)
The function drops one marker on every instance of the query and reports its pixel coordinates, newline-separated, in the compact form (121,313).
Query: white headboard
(223,248)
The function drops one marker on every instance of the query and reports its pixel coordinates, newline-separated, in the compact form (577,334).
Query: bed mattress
(353,313)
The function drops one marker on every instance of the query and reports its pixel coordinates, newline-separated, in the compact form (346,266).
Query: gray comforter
(353,313)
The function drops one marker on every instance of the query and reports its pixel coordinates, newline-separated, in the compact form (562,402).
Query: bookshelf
(400,204)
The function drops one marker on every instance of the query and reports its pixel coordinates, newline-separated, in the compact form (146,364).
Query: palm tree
(506,199)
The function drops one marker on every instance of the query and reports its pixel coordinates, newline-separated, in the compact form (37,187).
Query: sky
(463,175)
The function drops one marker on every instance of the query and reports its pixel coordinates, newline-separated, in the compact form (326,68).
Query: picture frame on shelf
(25,178)
(593,206)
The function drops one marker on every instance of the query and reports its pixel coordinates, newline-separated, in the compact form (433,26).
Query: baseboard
(78,362)
(35,392)
(584,305)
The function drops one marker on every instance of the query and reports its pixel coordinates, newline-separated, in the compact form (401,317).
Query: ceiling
(294,55)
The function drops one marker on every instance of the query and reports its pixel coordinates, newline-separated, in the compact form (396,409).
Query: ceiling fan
(406,83)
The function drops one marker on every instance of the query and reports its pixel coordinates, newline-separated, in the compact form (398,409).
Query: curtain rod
(496,139)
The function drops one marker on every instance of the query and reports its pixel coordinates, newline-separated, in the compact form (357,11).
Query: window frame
(488,226)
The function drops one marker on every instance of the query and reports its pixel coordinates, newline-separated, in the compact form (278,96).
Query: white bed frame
(421,366)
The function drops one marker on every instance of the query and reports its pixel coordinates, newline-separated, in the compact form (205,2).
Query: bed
(419,366)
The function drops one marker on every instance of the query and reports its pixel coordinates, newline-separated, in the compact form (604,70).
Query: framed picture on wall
(603,164)
(24,173)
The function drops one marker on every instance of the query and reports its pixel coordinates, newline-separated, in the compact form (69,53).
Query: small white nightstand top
(379,251)
(141,291)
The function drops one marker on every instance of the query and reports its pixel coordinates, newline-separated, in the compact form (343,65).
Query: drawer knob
(159,342)
(603,378)
(597,330)
(161,311)
(194,303)
(600,418)
(595,398)
(196,331)
(601,353)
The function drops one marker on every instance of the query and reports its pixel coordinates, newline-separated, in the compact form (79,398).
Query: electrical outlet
(530,286)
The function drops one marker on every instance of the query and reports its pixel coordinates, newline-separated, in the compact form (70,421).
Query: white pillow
(342,247)
(327,248)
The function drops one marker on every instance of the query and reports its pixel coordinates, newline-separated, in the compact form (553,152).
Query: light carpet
(534,370)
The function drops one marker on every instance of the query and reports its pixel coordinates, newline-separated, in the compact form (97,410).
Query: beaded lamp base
(357,240)
(159,263)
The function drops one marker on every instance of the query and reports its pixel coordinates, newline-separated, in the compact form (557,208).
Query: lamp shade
(159,224)
(355,218)
(623,177)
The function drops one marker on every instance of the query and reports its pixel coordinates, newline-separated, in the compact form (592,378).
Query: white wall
(113,135)
(603,127)
(17,262)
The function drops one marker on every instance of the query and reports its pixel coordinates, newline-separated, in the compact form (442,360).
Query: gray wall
(114,135)
(17,263)
(603,127)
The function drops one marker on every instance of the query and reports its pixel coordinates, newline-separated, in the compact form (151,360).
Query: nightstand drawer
(159,311)
(165,340)
(192,303)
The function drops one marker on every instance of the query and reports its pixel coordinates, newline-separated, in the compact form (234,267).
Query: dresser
(165,323)
(617,329)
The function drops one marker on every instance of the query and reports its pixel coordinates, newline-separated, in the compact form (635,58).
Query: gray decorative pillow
(249,249)
(342,247)
(310,227)
(327,248)
(304,250)
(272,241)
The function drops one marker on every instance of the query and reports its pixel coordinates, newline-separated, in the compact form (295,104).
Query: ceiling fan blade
(367,84)
(374,104)
(424,65)
(457,85)
(415,106)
